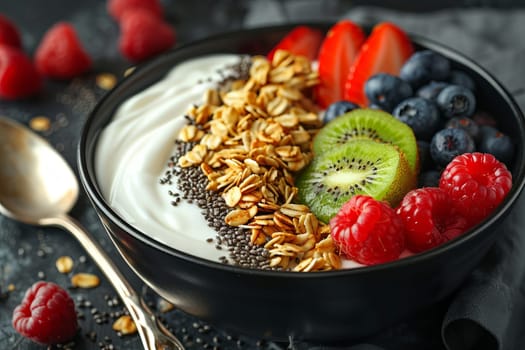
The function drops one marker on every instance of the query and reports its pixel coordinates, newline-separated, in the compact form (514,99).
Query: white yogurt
(133,151)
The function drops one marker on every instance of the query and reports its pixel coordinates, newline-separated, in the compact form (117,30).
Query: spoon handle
(153,334)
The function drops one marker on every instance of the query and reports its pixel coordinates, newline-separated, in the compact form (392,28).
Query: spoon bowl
(322,307)
(36,181)
(38,187)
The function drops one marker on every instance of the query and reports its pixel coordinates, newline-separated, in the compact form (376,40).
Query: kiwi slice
(368,124)
(361,167)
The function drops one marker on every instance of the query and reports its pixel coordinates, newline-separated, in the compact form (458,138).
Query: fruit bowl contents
(220,225)
(236,159)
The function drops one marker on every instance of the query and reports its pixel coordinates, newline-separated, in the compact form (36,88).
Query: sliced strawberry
(301,40)
(336,55)
(384,51)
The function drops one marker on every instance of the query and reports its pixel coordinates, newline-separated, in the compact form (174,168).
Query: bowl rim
(98,201)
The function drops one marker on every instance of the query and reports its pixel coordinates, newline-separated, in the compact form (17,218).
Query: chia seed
(191,182)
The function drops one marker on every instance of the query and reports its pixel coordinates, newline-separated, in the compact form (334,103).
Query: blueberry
(425,161)
(497,144)
(458,77)
(338,108)
(456,101)
(487,131)
(425,66)
(484,118)
(449,143)
(468,124)
(386,91)
(374,106)
(420,114)
(431,90)
(429,178)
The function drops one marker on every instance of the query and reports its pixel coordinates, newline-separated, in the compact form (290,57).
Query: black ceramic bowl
(322,306)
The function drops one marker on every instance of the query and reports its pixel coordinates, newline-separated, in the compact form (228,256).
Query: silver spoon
(38,187)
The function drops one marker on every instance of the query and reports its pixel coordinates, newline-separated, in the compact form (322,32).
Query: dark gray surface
(67,104)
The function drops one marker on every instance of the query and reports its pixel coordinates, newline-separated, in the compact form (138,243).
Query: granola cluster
(251,136)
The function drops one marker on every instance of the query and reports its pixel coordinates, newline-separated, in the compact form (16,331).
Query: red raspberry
(429,218)
(60,54)
(143,35)
(368,231)
(9,34)
(46,315)
(117,8)
(477,183)
(18,75)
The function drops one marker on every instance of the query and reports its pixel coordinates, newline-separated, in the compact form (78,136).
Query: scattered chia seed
(3,294)
(92,336)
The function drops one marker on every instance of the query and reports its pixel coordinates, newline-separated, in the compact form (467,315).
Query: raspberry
(477,183)
(9,34)
(429,218)
(18,76)
(117,8)
(143,35)
(60,54)
(46,315)
(368,231)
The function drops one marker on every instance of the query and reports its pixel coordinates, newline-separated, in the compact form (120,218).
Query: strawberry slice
(301,40)
(338,51)
(384,51)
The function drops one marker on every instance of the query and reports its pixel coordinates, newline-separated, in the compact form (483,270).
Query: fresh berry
(386,90)
(117,8)
(498,144)
(449,143)
(456,101)
(374,106)
(429,178)
(18,76)
(425,160)
(60,54)
(477,183)
(385,50)
(368,231)
(487,131)
(425,66)
(420,114)
(431,90)
(9,34)
(458,77)
(338,108)
(301,41)
(483,118)
(338,51)
(467,124)
(429,218)
(46,315)
(143,35)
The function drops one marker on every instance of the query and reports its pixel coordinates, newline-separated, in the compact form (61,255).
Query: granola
(251,136)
